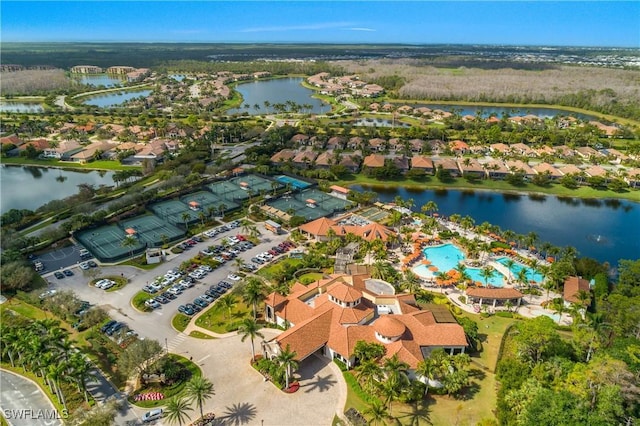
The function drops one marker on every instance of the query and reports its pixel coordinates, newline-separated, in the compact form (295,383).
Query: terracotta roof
(596,171)
(422,162)
(388,326)
(458,145)
(308,336)
(340,189)
(569,169)
(283,155)
(318,227)
(374,160)
(494,293)
(546,167)
(572,286)
(274,299)
(344,293)
(375,231)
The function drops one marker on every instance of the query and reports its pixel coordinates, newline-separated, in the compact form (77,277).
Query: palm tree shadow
(321,384)
(237,414)
(417,414)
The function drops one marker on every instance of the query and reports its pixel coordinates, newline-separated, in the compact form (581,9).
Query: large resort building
(328,318)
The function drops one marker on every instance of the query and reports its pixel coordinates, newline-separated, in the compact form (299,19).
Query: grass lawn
(94,165)
(139,299)
(489,185)
(268,272)
(218,320)
(168,391)
(180,321)
(120,282)
(200,335)
(310,277)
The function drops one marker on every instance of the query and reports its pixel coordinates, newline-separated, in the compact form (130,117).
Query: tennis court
(256,184)
(174,211)
(151,230)
(105,243)
(229,191)
(208,203)
(295,183)
(373,214)
(310,204)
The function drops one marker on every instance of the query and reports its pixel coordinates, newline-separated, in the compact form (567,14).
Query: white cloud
(361,29)
(303,27)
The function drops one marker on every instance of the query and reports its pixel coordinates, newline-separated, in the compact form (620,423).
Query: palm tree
(369,374)
(81,371)
(228,301)
(427,369)
(185,218)
(487,272)
(176,410)
(250,328)
(509,263)
(198,390)
(221,208)
(430,208)
(286,359)
(464,276)
(377,412)
(557,306)
(397,371)
(253,293)
(129,242)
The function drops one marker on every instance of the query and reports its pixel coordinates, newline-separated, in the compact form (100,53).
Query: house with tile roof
(573,286)
(496,169)
(377,144)
(373,161)
(520,166)
(326,159)
(459,147)
(422,162)
(319,229)
(304,159)
(283,156)
(448,164)
(329,317)
(543,168)
(471,167)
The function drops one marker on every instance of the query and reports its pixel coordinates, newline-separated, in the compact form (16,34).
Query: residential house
(588,153)
(303,159)
(416,145)
(564,151)
(373,161)
(283,156)
(569,169)
(63,150)
(617,155)
(154,151)
(38,144)
(377,144)
(351,161)
(11,140)
(447,164)
(496,169)
(608,131)
(523,150)
(545,150)
(355,142)
(326,159)
(542,168)
(572,288)
(632,177)
(300,139)
(336,142)
(520,166)
(91,152)
(459,147)
(328,317)
(422,162)
(401,162)
(499,148)
(471,167)
(597,171)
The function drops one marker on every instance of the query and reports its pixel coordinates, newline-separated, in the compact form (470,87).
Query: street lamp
(166,344)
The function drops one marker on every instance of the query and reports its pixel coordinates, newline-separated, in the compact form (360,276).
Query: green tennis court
(374,214)
(209,203)
(310,204)
(174,212)
(105,243)
(228,191)
(151,230)
(256,184)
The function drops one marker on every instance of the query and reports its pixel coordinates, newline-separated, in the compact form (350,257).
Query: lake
(107,100)
(26,187)
(277,91)
(28,107)
(487,110)
(606,230)
(106,80)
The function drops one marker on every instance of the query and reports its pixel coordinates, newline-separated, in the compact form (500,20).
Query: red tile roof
(572,286)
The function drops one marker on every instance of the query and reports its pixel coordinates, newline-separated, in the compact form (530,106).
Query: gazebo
(311,203)
(244,185)
(194,205)
(130,232)
(493,296)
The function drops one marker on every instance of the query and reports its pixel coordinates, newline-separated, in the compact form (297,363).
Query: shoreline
(515,191)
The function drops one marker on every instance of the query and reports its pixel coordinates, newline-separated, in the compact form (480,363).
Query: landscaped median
(224,317)
(180,322)
(139,299)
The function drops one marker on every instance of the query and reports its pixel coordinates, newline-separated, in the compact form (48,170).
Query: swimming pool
(532,274)
(295,183)
(447,257)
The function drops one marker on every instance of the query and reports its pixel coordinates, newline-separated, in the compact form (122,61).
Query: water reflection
(592,202)
(568,200)
(538,197)
(509,196)
(36,172)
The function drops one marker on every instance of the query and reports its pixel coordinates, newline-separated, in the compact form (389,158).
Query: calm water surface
(487,110)
(29,107)
(277,91)
(31,187)
(107,100)
(96,80)
(606,230)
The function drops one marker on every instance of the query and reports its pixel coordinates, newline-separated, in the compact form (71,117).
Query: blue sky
(567,23)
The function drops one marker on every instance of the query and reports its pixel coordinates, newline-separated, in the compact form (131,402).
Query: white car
(175,289)
(206,268)
(234,277)
(152,304)
(84,266)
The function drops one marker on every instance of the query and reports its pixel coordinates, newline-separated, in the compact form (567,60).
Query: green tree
(536,338)
(198,390)
(129,242)
(253,293)
(138,357)
(364,351)
(228,302)
(377,412)
(176,410)
(286,361)
(249,328)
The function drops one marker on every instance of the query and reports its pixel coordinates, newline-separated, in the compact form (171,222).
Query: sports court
(105,243)
(229,191)
(208,203)
(295,183)
(152,230)
(310,204)
(373,214)
(256,184)
(173,211)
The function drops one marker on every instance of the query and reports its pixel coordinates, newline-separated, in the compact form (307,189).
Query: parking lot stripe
(202,359)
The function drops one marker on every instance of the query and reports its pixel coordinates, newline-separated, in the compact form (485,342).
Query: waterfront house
(447,164)
(471,167)
(373,161)
(546,168)
(422,162)
(496,169)
(572,288)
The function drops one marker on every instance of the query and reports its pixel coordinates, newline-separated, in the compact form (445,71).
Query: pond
(112,99)
(486,111)
(177,77)
(606,230)
(277,92)
(23,107)
(26,187)
(106,80)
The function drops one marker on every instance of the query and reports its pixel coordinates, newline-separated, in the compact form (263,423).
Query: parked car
(68,273)
(200,302)
(152,415)
(234,277)
(168,295)
(149,289)
(59,275)
(92,264)
(114,328)
(84,265)
(151,303)
(186,310)
(162,299)
(108,325)
(207,298)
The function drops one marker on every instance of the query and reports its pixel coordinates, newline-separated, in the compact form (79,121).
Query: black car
(197,239)
(169,296)
(108,325)
(92,263)
(67,272)
(186,310)
(162,300)
(200,302)
(59,275)
(196,308)
(212,293)
(117,326)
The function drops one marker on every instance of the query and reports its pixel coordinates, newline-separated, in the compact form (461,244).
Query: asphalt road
(23,403)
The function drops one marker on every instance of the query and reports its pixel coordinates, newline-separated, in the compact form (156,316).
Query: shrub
(340,364)
(503,314)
